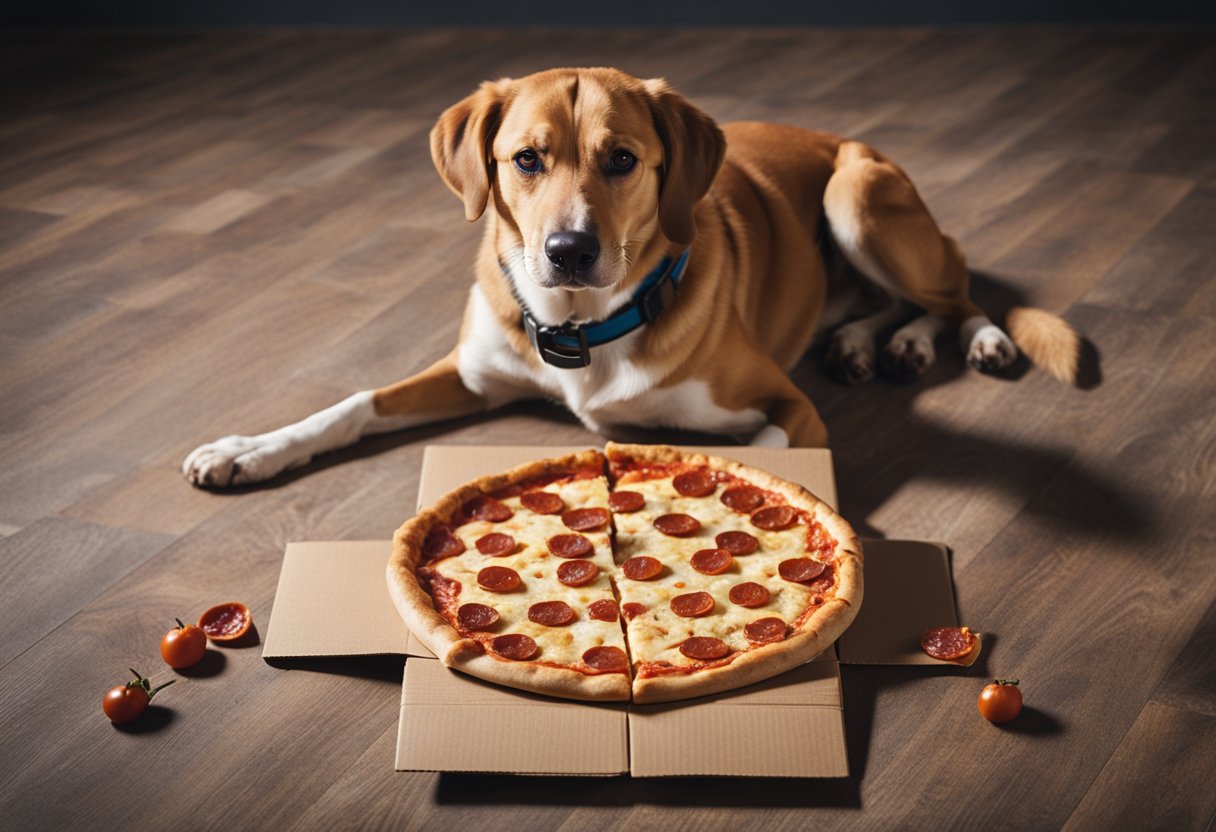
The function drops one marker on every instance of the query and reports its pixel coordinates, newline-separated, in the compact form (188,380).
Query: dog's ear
(693,148)
(460,145)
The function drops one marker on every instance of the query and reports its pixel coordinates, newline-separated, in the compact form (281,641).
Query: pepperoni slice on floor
(633,610)
(642,568)
(515,646)
(551,613)
(488,509)
(496,544)
(765,630)
(800,570)
(625,502)
(693,604)
(703,648)
(603,610)
(677,525)
(577,572)
(586,519)
(744,498)
(606,659)
(775,518)
(711,561)
(947,643)
(542,502)
(477,616)
(441,543)
(696,483)
(498,579)
(570,546)
(737,543)
(749,594)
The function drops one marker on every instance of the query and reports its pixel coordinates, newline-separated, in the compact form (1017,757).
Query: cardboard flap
(332,600)
(907,590)
(451,722)
(789,726)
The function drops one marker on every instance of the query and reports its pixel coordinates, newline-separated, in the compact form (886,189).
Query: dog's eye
(622,161)
(527,161)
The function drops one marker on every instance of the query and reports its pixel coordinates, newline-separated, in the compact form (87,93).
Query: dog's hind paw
(850,359)
(991,350)
(235,460)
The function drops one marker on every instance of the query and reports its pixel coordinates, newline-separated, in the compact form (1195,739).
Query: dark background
(614,13)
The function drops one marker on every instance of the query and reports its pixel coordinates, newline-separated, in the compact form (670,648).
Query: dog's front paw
(235,460)
(908,355)
(850,358)
(991,350)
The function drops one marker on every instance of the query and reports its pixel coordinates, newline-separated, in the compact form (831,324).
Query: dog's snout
(572,251)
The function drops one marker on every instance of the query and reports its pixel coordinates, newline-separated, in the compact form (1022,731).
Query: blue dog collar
(569,345)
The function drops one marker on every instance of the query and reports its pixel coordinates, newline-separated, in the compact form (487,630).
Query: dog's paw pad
(991,350)
(852,363)
(908,356)
(220,463)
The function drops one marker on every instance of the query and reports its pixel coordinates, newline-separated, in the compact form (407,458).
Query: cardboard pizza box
(789,726)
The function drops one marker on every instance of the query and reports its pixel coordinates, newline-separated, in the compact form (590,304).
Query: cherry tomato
(127,703)
(183,646)
(1001,701)
(226,622)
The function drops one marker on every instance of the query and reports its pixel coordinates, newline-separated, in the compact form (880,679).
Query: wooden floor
(203,234)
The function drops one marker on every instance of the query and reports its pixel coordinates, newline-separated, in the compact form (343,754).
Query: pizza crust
(414,603)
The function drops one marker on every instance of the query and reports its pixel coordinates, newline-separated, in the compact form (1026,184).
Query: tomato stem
(141,681)
(180,625)
(1006,681)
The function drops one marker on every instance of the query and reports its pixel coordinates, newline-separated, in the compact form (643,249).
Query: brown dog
(650,269)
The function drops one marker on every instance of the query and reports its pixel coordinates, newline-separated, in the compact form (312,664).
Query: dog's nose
(572,251)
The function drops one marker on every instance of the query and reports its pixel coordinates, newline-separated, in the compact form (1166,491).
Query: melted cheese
(538,570)
(656,635)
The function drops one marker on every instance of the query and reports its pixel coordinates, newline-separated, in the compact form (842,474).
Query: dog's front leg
(434,394)
(793,422)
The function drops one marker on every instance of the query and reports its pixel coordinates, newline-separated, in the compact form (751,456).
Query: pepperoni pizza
(647,573)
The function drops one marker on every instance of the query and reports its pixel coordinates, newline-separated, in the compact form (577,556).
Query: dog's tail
(1047,340)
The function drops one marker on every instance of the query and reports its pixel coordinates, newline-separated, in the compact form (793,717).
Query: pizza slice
(727,574)
(509,579)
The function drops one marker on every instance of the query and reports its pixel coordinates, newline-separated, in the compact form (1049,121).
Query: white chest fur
(613,391)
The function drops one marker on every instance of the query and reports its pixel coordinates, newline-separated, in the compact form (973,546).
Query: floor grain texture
(213,232)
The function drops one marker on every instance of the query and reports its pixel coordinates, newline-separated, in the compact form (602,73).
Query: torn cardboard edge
(452,722)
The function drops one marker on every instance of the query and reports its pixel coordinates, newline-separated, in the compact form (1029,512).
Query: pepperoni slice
(570,546)
(542,502)
(703,648)
(696,483)
(677,525)
(551,613)
(586,519)
(515,646)
(625,502)
(488,509)
(603,610)
(632,610)
(642,568)
(737,543)
(749,594)
(441,543)
(692,604)
(765,630)
(498,579)
(606,659)
(477,616)
(496,544)
(947,643)
(775,518)
(711,561)
(800,570)
(577,572)
(743,498)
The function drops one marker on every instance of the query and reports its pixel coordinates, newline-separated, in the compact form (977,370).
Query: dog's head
(585,166)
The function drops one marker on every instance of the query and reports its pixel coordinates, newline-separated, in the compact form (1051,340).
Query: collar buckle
(569,353)
(658,297)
